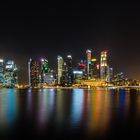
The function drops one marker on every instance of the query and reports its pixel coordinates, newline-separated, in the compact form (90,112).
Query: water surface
(69,113)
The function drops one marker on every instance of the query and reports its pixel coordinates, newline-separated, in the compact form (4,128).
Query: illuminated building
(49,79)
(64,78)
(10,74)
(78,76)
(33,73)
(29,72)
(103,65)
(79,72)
(109,74)
(15,75)
(82,66)
(95,72)
(69,70)
(92,70)
(88,54)
(60,63)
(1,72)
(119,79)
(47,75)
(67,74)
(44,70)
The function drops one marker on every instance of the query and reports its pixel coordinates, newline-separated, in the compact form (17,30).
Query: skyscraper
(109,74)
(88,54)
(103,65)
(94,69)
(69,70)
(29,72)
(10,74)
(33,73)
(1,72)
(60,63)
(44,70)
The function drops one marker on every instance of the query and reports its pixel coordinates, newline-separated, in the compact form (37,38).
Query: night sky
(48,30)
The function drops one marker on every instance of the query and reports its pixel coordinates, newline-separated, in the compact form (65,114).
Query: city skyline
(53,67)
(55,29)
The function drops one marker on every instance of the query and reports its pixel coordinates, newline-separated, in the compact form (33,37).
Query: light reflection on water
(45,106)
(92,112)
(8,108)
(77,106)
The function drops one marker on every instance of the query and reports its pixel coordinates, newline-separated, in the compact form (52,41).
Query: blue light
(81,61)
(78,72)
(89,62)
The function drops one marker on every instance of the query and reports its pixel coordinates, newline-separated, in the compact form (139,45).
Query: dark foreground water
(69,114)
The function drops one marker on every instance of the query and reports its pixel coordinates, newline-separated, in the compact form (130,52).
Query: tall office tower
(1,72)
(33,73)
(10,74)
(103,65)
(64,79)
(44,70)
(29,72)
(15,75)
(109,74)
(60,63)
(69,70)
(94,69)
(88,54)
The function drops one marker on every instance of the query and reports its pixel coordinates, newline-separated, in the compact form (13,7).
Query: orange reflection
(99,112)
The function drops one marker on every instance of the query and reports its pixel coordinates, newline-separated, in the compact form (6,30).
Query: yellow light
(94,60)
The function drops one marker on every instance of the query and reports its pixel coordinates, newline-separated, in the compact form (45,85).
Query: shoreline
(97,87)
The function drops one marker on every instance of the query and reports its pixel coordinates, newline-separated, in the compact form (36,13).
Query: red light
(81,65)
(106,50)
